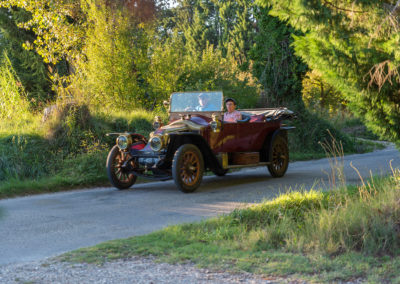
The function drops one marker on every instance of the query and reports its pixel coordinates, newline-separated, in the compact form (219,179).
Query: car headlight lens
(156,143)
(124,142)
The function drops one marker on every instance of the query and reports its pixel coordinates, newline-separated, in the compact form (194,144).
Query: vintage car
(196,139)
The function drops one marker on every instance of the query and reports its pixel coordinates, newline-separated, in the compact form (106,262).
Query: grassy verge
(340,235)
(60,154)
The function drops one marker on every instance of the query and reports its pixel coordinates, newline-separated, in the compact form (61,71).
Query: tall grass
(366,221)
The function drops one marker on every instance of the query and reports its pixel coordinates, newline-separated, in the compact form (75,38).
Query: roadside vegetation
(344,234)
(70,149)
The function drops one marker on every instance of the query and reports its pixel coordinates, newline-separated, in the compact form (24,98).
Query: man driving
(205,104)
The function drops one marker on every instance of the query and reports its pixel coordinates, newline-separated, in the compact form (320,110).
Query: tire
(221,173)
(280,157)
(116,175)
(188,168)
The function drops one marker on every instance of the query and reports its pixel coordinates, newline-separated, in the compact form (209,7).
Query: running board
(248,165)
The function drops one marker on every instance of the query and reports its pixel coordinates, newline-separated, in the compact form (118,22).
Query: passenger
(231,115)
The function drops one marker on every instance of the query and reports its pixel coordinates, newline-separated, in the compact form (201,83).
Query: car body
(197,139)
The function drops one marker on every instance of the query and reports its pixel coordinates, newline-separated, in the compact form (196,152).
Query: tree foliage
(27,64)
(354,45)
(277,68)
(115,53)
(320,96)
(135,53)
(13,101)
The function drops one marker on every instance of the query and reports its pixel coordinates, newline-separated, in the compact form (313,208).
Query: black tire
(221,173)
(280,157)
(116,175)
(188,168)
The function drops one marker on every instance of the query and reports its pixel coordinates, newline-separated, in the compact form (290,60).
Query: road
(36,227)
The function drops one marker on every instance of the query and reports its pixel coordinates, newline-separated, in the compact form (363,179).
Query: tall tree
(355,46)
(274,63)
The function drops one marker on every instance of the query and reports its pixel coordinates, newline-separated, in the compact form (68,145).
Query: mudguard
(178,139)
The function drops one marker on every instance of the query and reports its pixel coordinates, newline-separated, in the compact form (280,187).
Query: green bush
(311,130)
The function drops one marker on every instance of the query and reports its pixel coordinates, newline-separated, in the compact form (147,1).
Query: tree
(115,55)
(274,63)
(27,64)
(355,46)
(320,96)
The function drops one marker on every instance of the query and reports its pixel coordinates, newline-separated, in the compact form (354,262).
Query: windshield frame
(195,94)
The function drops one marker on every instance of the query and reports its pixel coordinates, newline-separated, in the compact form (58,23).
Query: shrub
(311,130)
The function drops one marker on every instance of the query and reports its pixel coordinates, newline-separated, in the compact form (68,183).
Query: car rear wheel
(188,168)
(280,157)
(116,173)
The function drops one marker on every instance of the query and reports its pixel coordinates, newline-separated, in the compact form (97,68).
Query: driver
(204,103)
(232,115)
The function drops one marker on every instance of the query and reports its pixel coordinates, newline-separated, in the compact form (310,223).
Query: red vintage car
(197,139)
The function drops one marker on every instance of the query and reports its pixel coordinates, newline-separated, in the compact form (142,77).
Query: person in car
(205,104)
(232,115)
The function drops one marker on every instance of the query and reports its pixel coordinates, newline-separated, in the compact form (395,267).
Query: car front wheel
(280,157)
(116,173)
(188,168)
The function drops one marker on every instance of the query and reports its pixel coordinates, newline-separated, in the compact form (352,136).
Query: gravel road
(136,270)
(37,227)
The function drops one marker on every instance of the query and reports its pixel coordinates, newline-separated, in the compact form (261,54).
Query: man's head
(230,104)
(203,99)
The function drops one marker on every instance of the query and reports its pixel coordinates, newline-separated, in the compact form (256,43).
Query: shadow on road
(230,182)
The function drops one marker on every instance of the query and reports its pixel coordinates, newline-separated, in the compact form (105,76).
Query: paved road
(32,228)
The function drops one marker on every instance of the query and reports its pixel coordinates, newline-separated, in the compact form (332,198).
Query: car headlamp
(157,122)
(156,143)
(124,141)
(215,124)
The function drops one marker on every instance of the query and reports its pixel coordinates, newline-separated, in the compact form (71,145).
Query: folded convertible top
(273,113)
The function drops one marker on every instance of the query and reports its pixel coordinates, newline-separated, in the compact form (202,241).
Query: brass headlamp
(157,122)
(216,123)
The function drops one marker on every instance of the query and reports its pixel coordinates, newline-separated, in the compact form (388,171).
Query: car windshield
(196,101)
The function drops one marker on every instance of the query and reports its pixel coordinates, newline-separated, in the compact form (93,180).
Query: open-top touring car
(197,139)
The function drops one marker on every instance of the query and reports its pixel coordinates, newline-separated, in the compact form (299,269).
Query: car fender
(266,152)
(178,139)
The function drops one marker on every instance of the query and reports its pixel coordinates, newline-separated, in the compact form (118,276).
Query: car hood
(182,125)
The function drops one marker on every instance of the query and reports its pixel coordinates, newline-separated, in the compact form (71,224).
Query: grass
(60,155)
(340,235)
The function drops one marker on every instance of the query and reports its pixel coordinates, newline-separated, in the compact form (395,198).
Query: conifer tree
(274,63)
(355,46)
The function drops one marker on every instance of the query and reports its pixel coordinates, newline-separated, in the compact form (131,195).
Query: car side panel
(241,137)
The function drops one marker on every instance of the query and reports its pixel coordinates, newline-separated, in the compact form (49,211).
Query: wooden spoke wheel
(280,157)
(188,168)
(117,175)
